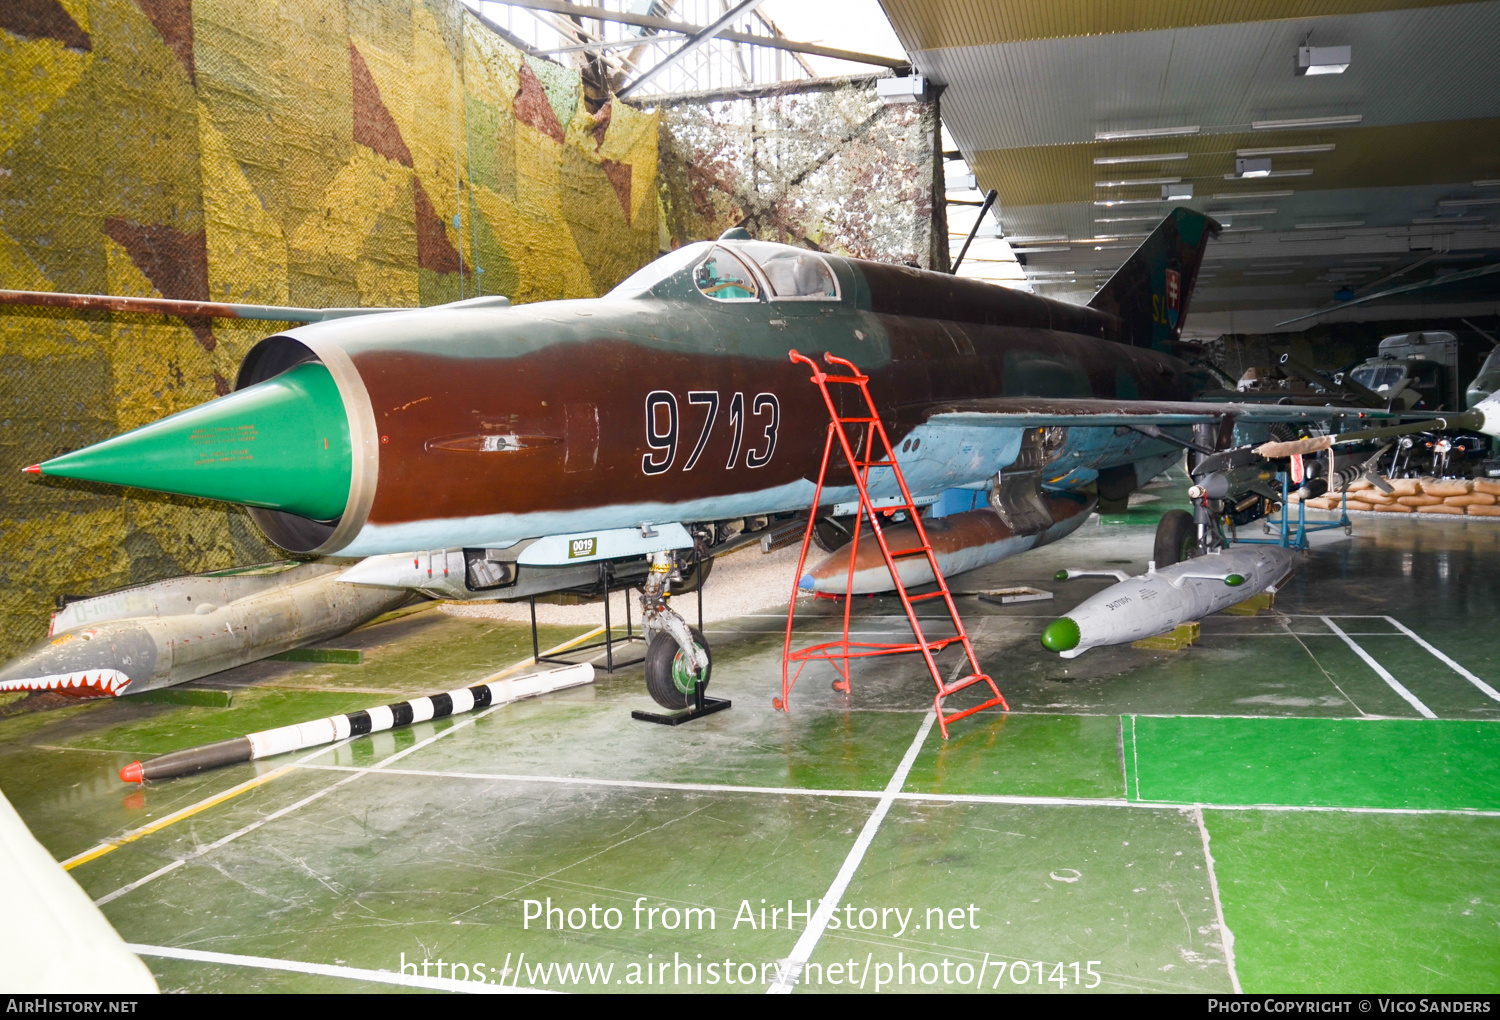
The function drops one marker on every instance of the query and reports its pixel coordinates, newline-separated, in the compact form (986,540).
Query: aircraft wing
(1094,412)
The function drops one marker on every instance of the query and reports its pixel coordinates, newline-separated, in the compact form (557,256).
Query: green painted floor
(1101,835)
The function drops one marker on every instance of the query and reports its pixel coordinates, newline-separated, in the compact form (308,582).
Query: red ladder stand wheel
(839,653)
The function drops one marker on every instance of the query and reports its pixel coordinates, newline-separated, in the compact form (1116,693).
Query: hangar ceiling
(1402,175)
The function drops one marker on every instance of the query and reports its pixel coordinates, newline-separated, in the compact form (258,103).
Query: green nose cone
(282,444)
(1061,635)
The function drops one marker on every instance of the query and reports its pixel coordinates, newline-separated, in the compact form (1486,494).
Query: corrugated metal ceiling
(1029,83)
(934,24)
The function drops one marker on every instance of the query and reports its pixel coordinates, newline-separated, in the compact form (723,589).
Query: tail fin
(1151,290)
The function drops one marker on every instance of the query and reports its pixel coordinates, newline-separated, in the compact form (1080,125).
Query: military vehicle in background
(1424,371)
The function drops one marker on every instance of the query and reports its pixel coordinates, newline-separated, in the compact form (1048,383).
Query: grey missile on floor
(340,727)
(182,628)
(1160,600)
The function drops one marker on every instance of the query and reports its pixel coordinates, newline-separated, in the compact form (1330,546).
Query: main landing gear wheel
(669,676)
(1176,538)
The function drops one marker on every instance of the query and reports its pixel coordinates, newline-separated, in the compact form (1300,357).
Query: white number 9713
(663,428)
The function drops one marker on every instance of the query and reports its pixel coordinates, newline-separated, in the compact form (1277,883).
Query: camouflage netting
(837,170)
(307,152)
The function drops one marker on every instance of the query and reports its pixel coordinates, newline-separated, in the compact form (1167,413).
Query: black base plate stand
(701,706)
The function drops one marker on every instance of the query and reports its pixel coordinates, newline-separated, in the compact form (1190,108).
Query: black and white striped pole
(340,727)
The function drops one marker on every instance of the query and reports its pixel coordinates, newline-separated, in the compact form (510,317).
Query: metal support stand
(606,582)
(1286,537)
(701,706)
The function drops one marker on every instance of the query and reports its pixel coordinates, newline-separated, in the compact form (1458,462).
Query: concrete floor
(1131,805)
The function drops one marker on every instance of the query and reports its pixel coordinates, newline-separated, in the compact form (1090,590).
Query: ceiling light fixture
(1037,239)
(1450,203)
(1252,194)
(1176,192)
(1308,122)
(1272,173)
(1109,202)
(1250,168)
(1138,180)
(1322,59)
(1240,230)
(1120,136)
(1241,212)
(1332,225)
(1439,220)
(1127,219)
(1165,157)
(1285,150)
(1487,184)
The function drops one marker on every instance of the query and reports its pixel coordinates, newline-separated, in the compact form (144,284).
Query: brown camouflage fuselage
(486,426)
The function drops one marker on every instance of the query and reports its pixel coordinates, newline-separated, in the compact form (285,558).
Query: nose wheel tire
(669,678)
(1176,538)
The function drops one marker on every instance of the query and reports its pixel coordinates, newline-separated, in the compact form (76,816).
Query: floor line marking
(1326,675)
(786,979)
(224,840)
(1124,766)
(333,970)
(1017,800)
(377,767)
(111,845)
(1486,688)
(1226,936)
(1135,754)
(1385,675)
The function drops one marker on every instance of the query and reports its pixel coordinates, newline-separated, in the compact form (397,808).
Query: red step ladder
(839,653)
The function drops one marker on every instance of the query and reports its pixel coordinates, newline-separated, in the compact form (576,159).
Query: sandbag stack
(1474,497)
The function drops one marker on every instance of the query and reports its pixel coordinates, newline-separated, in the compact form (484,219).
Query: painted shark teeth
(92,683)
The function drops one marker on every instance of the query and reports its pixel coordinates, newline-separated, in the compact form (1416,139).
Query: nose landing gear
(678,662)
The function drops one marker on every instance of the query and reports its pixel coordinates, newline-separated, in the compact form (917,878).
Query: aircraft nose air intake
(282,444)
(1061,635)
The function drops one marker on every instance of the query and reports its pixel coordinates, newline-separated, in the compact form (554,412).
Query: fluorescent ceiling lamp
(1110,237)
(1307,122)
(1241,230)
(1246,167)
(1127,219)
(1477,184)
(1178,192)
(1137,180)
(960,182)
(1165,157)
(1128,201)
(1435,220)
(1450,203)
(1333,225)
(1120,136)
(1241,212)
(1285,150)
(1272,173)
(1322,59)
(1037,240)
(1252,194)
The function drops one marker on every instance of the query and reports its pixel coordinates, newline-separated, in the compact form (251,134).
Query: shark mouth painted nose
(91,683)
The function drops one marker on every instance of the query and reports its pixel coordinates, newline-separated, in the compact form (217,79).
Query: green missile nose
(1061,635)
(282,444)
